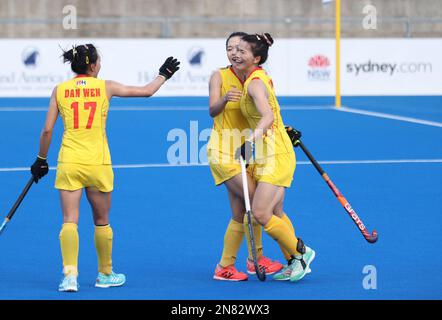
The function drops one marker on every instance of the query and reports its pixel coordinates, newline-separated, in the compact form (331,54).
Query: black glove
(245,151)
(294,135)
(39,169)
(169,67)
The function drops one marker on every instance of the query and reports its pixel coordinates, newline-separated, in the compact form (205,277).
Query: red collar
(82,76)
(251,73)
(233,71)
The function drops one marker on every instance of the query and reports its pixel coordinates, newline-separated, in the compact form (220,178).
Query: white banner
(391,67)
(299,67)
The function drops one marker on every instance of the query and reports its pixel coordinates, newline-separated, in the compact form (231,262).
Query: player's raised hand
(169,67)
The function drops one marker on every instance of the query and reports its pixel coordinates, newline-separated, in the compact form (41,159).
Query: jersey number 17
(92,105)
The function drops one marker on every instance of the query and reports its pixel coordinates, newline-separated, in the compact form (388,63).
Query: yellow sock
(257,236)
(286,219)
(232,241)
(103,237)
(69,243)
(281,233)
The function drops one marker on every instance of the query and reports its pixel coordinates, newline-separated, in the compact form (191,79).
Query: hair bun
(268,38)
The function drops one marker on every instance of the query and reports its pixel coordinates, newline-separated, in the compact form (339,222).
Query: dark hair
(80,57)
(235,34)
(260,44)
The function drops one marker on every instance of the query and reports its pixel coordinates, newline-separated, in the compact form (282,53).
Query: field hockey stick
(16,204)
(373,237)
(260,273)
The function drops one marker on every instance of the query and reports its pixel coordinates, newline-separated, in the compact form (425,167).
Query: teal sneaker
(285,273)
(68,284)
(301,264)
(110,280)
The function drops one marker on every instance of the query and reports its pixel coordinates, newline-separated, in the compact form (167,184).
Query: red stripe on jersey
(233,71)
(256,69)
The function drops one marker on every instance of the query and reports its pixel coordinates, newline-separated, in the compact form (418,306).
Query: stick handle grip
(310,157)
(20,199)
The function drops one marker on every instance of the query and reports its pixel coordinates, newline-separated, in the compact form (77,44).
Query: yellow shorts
(224,167)
(74,176)
(277,170)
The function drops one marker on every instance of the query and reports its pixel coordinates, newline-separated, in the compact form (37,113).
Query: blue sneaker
(68,284)
(110,280)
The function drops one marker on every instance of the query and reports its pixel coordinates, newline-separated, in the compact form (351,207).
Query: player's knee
(278,211)
(101,221)
(101,218)
(70,216)
(238,215)
(261,215)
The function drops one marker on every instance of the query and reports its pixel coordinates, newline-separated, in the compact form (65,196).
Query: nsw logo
(319,68)
(30,57)
(196,56)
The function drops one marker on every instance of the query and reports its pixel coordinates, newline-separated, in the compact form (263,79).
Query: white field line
(389,116)
(158,108)
(327,162)
(288,108)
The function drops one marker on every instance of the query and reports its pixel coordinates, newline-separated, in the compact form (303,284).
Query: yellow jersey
(224,135)
(275,140)
(83,106)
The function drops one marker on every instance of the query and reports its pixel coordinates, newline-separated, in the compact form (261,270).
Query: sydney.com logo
(389,68)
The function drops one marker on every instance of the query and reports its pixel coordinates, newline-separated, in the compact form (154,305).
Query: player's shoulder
(258,75)
(94,80)
(260,72)
(216,75)
(226,71)
(64,83)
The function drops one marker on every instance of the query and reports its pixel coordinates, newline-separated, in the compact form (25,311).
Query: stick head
(261,275)
(373,238)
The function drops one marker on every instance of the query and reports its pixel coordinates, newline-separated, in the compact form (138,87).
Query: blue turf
(421,107)
(169,222)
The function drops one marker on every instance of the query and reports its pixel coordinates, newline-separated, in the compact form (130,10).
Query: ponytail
(80,57)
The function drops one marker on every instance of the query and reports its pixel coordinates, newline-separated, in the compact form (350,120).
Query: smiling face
(245,61)
(232,49)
